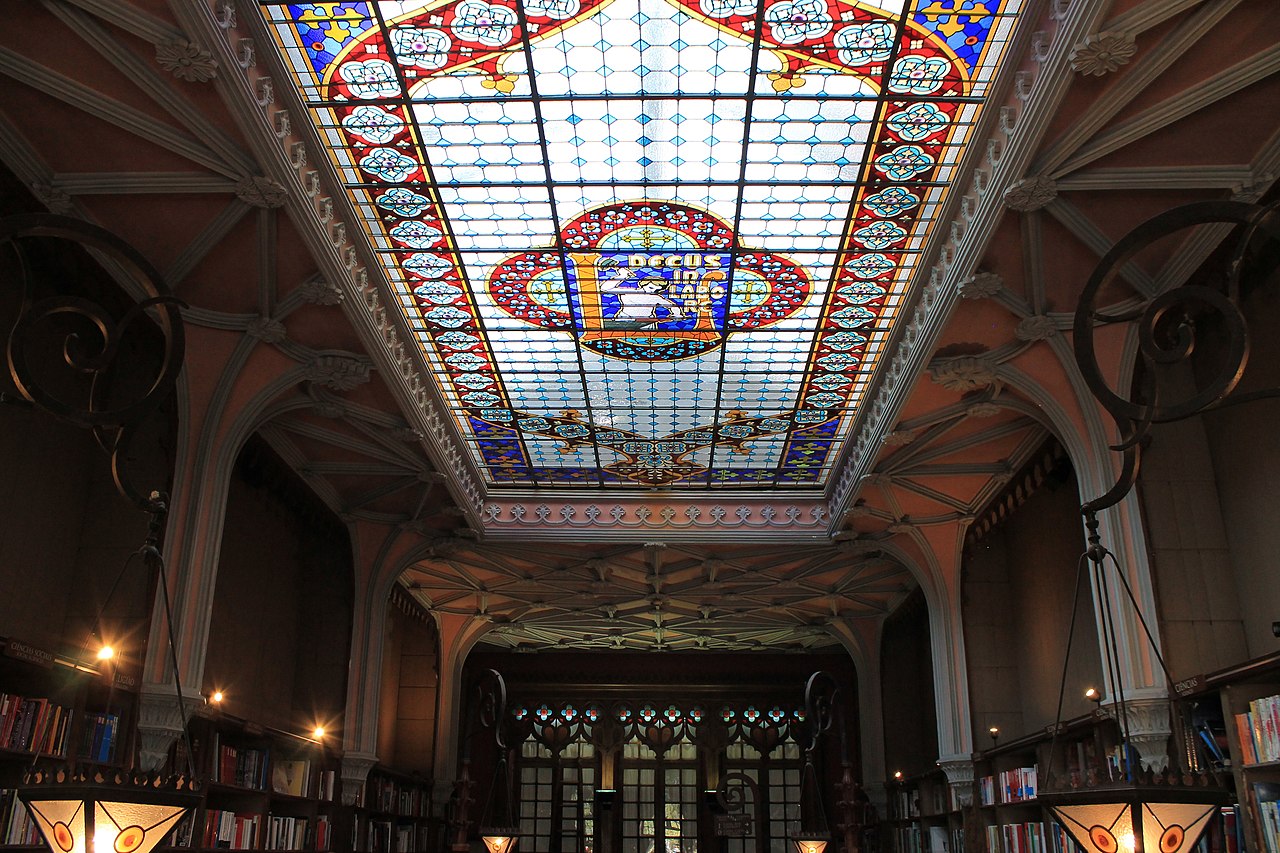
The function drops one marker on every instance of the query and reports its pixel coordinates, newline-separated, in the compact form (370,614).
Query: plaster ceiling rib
(338,439)
(203,243)
(128,17)
(931,449)
(1154,63)
(141,183)
(107,109)
(268,286)
(1086,231)
(1201,177)
(297,460)
(1221,85)
(156,87)
(1144,16)
(1031,229)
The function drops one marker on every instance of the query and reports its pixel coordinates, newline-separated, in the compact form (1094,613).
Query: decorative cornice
(1102,53)
(186,61)
(637,519)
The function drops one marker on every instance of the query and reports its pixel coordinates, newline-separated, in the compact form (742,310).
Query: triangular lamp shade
(499,841)
(1109,827)
(61,823)
(132,827)
(117,827)
(809,844)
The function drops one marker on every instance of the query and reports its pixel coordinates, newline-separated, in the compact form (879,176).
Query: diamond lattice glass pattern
(648,242)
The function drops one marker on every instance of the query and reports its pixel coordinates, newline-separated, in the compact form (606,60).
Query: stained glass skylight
(648,242)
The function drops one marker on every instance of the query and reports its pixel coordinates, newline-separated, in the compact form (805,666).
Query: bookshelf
(924,815)
(1237,719)
(392,814)
(53,708)
(264,789)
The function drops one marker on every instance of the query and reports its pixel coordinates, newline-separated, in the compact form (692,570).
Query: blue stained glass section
(325,28)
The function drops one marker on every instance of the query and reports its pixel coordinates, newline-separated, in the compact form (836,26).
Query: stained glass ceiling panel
(648,242)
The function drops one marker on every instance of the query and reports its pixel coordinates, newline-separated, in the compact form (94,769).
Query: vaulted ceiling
(174,125)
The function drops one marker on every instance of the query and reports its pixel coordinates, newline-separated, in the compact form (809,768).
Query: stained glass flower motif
(556,10)
(862,44)
(438,292)
(904,163)
(388,164)
(373,78)
(918,121)
(798,21)
(869,266)
(851,317)
(891,202)
(415,234)
(727,8)
(424,47)
(484,23)
(879,235)
(862,292)
(450,318)
(403,202)
(373,124)
(427,265)
(918,75)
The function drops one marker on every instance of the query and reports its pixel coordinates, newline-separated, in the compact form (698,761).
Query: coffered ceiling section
(648,242)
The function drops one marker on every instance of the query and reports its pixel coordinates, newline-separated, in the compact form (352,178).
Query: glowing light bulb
(1092,694)
(318,733)
(897,774)
(104,837)
(217,696)
(106,653)
(1125,842)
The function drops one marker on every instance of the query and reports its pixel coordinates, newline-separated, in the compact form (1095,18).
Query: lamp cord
(150,554)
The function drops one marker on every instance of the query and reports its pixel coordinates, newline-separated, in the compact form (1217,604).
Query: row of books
(383,836)
(1017,785)
(285,832)
(16,825)
(29,724)
(1267,795)
(383,794)
(296,777)
(231,830)
(98,739)
(927,839)
(1259,730)
(1030,837)
(245,767)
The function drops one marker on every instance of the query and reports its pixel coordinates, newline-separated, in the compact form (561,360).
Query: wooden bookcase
(1246,733)
(924,815)
(54,708)
(264,789)
(393,815)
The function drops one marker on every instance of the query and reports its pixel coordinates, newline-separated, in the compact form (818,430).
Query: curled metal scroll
(1166,330)
(94,347)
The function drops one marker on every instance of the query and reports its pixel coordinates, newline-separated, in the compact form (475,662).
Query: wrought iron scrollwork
(1166,325)
(91,341)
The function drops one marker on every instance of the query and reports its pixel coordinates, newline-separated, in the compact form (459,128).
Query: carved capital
(1102,53)
(57,200)
(339,373)
(959,777)
(1036,328)
(982,410)
(1031,193)
(260,191)
(186,61)
(981,285)
(963,374)
(1149,730)
(161,721)
(900,438)
(355,769)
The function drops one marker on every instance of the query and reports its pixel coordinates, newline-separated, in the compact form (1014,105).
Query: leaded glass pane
(720,218)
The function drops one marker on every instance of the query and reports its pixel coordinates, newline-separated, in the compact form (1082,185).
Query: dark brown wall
(906,666)
(279,637)
(1016,593)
